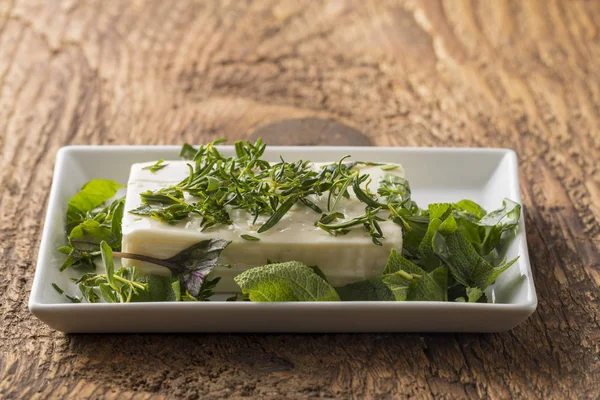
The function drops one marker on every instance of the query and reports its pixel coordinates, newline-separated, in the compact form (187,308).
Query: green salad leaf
(288,281)
(390,287)
(432,286)
(92,195)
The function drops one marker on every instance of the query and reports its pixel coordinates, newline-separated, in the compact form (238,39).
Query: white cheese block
(344,259)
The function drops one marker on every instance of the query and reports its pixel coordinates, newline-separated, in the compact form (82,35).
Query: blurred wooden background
(509,73)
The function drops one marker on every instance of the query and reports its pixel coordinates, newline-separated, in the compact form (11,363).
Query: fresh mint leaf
(396,262)
(439,210)
(432,286)
(427,257)
(160,288)
(176,288)
(470,207)
(390,287)
(88,235)
(414,230)
(497,222)
(289,281)
(92,195)
(496,271)
(474,294)
(466,265)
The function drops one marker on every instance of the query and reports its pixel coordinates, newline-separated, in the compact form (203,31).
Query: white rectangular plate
(435,175)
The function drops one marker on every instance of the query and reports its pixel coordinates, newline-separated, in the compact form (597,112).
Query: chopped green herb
(157,166)
(389,167)
(71,298)
(250,238)
(246,181)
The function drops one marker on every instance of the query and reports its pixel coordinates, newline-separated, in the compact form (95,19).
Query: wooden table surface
(518,74)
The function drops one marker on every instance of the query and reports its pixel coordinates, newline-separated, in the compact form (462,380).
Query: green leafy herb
(156,166)
(432,286)
(114,287)
(441,262)
(396,262)
(250,238)
(390,287)
(278,214)
(246,181)
(191,265)
(289,281)
(71,298)
(369,220)
(92,195)
(389,167)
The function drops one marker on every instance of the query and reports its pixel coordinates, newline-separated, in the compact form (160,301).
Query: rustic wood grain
(518,74)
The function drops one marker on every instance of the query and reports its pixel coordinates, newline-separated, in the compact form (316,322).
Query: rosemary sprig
(217,184)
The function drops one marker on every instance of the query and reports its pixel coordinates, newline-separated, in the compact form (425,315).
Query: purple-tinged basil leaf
(196,262)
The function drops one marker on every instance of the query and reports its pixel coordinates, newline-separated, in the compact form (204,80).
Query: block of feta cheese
(343,259)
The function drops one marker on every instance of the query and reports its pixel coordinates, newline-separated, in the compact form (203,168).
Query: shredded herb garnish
(157,166)
(217,184)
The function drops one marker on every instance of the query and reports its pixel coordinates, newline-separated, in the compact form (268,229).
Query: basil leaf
(196,262)
(289,281)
